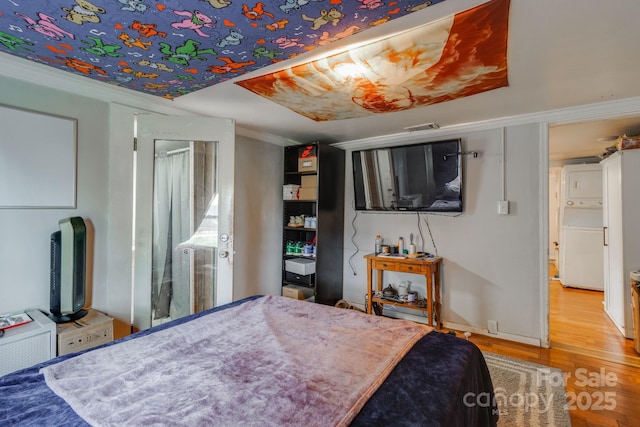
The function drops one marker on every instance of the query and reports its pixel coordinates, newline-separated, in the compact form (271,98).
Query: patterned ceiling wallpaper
(171,48)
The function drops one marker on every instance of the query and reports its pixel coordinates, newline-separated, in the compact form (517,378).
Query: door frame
(543,127)
(151,127)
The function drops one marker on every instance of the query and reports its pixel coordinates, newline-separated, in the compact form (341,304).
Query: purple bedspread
(427,388)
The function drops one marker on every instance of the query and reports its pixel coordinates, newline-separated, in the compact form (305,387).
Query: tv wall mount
(461,153)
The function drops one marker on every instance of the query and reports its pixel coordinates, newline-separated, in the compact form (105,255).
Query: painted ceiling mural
(454,57)
(170,48)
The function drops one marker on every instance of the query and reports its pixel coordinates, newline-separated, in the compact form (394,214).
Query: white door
(183,244)
(614,280)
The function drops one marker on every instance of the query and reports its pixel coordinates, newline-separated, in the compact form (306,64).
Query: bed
(302,374)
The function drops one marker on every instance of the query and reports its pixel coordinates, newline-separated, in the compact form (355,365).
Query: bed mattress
(430,386)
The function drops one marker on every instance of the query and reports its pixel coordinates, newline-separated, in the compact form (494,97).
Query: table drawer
(412,268)
(380,264)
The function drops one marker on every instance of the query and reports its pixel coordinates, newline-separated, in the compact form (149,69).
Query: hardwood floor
(578,323)
(600,392)
(602,369)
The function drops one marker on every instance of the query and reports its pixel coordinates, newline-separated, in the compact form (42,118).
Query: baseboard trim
(502,335)
(465,328)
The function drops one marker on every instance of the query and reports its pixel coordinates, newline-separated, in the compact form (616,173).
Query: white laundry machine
(581,263)
(583,254)
(580,240)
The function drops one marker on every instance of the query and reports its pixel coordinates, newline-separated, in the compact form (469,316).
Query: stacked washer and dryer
(580,218)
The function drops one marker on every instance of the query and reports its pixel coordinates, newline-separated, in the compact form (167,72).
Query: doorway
(577,319)
(183,257)
(185,215)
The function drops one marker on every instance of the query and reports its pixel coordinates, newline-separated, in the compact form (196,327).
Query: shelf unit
(325,286)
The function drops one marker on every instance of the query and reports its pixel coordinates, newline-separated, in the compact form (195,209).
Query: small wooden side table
(429,267)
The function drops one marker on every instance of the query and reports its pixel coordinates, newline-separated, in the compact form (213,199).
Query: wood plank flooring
(601,393)
(578,323)
(602,367)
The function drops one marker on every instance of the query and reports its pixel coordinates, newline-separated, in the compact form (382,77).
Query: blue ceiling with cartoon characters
(170,48)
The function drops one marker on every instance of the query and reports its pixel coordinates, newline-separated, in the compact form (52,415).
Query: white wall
(491,268)
(120,260)
(25,233)
(105,198)
(257,267)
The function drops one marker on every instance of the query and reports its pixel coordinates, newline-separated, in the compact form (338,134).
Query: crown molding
(44,75)
(266,137)
(596,111)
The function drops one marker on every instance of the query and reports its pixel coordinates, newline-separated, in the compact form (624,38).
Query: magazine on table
(14,319)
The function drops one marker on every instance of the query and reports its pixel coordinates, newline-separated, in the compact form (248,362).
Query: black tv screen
(424,177)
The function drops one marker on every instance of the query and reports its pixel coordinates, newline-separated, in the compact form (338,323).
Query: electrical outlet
(492,326)
(503,207)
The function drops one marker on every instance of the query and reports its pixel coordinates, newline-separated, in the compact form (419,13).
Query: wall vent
(424,126)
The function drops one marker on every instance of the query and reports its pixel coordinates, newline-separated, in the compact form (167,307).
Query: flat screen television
(423,177)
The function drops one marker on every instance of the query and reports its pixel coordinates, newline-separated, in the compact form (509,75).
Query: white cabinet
(621,234)
(26,345)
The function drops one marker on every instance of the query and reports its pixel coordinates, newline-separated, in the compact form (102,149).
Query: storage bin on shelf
(301,266)
(290,191)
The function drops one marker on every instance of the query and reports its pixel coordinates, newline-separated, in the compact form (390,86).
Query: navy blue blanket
(434,385)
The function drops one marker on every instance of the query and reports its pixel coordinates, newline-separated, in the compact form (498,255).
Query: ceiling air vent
(424,126)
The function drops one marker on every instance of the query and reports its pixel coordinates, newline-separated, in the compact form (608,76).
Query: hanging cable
(421,235)
(502,166)
(426,221)
(353,237)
